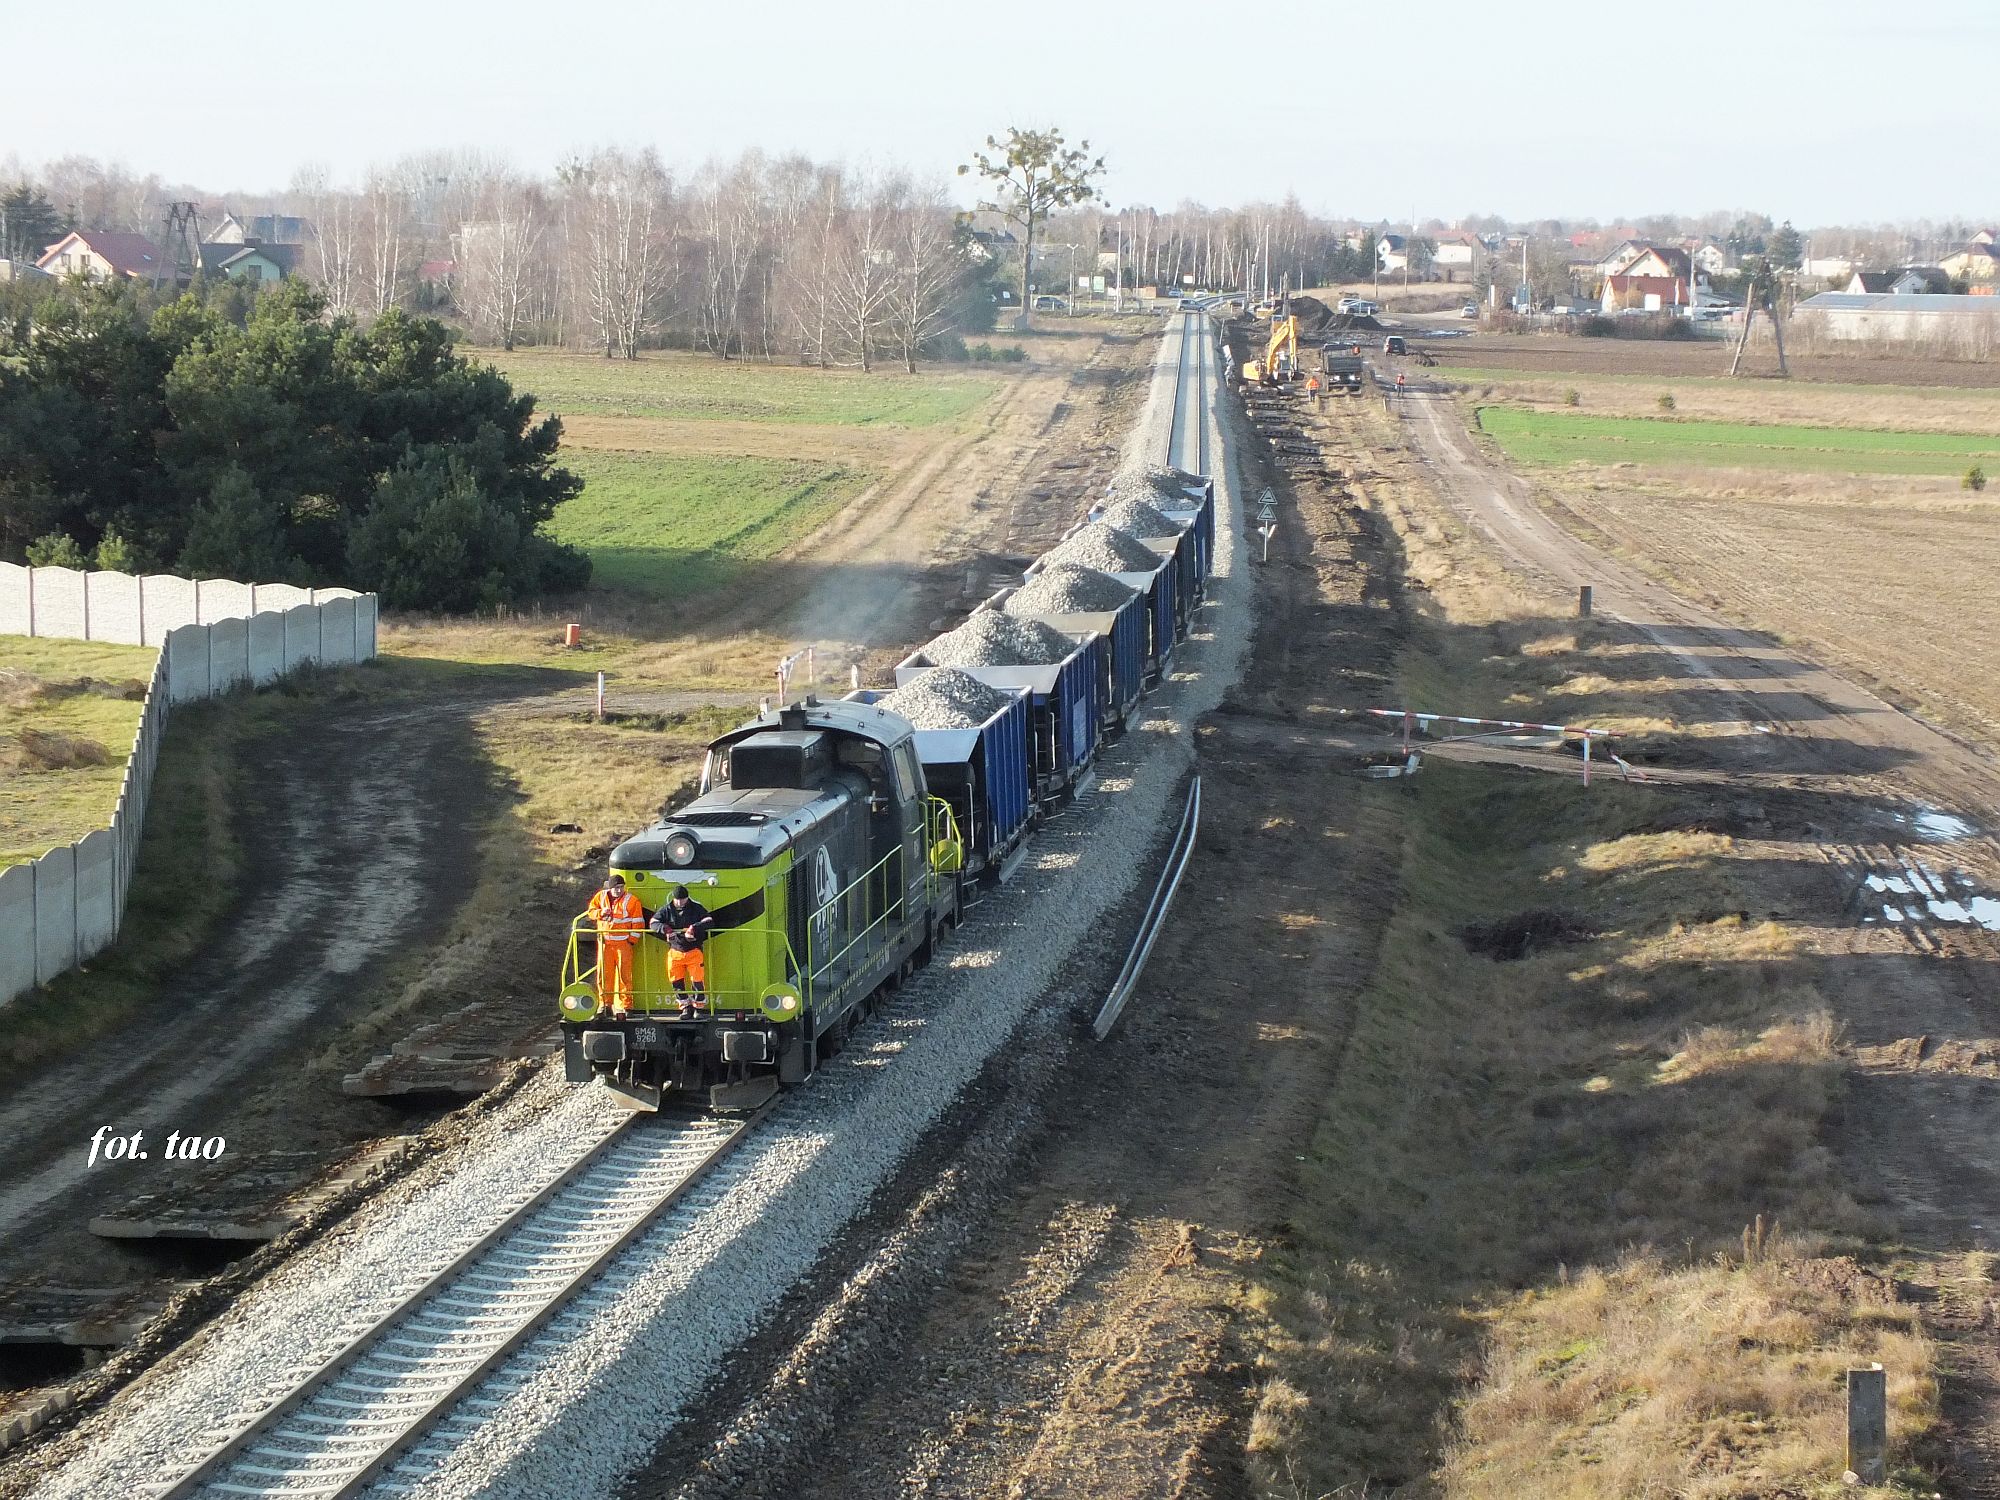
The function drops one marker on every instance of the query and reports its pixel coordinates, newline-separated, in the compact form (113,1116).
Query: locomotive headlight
(780,1003)
(680,849)
(579,1003)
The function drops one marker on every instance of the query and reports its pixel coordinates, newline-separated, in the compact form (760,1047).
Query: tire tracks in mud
(356,831)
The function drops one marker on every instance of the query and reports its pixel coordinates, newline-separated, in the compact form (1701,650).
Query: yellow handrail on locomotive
(580,998)
(947,849)
(945,856)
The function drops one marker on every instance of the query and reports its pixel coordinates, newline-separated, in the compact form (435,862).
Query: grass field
(669,525)
(699,387)
(68,711)
(1547,437)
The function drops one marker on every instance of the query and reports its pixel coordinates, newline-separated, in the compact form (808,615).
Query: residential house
(1902,282)
(1658,279)
(1976,262)
(1459,257)
(1709,258)
(1620,259)
(262,229)
(983,245)
(101,255)
(254,261)
(1393,251)
(1826,267)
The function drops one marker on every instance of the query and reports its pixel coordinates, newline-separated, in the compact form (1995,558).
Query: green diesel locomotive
(829,872)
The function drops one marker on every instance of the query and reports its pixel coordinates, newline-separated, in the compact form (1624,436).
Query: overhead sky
(1829,112)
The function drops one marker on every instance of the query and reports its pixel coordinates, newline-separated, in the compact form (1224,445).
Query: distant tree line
(265,438)
(766,258)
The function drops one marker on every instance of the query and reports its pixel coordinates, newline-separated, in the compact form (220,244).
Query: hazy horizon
(1529,114)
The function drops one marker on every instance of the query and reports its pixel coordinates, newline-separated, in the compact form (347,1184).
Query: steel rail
(1156,912)
(1176,430)
(339,1426)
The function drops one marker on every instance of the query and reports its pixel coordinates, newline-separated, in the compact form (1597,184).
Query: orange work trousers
(614,972)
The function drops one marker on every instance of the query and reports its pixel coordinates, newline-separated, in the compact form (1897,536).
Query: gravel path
(656,1330)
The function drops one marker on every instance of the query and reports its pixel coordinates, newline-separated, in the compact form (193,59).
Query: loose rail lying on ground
(1156,913)
(341,1425)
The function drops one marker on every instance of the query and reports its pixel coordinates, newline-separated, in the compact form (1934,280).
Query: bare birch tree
(387,262)
(861,277)
(333,237)
(614,207)
(930,266)
(499,257)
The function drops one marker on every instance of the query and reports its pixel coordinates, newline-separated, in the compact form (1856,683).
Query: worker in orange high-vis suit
(620,919)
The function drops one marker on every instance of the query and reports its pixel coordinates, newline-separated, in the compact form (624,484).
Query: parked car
(1470,310)
(1394,344)
(1046,303)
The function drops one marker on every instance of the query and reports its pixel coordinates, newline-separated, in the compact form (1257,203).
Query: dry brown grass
(1516,1265)
(1710,1381)
(52,750)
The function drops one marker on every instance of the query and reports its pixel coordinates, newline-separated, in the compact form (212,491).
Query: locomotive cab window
(865,756)
(908,772)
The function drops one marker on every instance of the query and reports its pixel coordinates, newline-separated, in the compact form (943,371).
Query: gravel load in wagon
(946,699)
(1168,484)
(991,639)
(1106,549)
(1137,518)
(1066,589)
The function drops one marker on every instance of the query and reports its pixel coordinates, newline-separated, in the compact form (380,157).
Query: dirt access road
(1904,954)
(356,829)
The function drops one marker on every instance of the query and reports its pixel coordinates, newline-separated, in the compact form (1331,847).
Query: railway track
(1187,440)
(342,1426)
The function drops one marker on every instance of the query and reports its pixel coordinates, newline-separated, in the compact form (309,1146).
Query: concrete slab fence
(214,635)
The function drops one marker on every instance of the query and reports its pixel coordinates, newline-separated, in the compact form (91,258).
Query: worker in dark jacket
(685,924)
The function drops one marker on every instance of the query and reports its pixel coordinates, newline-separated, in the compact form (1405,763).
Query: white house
(1458,257)
(100,255)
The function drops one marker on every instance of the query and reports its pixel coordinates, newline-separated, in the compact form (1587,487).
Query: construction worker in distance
(620,919)
(1400,378)
(685,924)
(1312,385)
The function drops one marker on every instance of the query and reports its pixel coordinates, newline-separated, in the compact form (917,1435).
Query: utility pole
(1118,270)
(180,251)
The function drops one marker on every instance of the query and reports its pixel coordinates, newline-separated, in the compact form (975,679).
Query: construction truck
(1343,368)
(1281,356)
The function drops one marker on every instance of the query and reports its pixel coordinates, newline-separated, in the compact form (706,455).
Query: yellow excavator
(1281,355)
